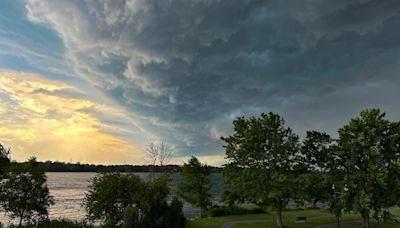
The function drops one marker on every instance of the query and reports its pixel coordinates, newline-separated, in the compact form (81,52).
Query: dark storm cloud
(185,68)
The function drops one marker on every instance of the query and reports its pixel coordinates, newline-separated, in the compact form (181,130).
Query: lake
(68,190)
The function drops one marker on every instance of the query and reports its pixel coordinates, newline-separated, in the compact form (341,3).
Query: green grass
(311,222)
(215,222)
(314,217)
(394,225)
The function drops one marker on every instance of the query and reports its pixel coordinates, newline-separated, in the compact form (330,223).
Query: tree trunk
(20,220)
(279,222)
(365,218)
(203,212)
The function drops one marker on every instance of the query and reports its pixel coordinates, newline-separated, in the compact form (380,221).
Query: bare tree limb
(158,152)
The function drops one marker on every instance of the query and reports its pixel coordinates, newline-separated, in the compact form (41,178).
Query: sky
(94,81)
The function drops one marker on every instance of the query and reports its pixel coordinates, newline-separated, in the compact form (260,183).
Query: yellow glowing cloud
(39,120)
(38,95)
(3,108)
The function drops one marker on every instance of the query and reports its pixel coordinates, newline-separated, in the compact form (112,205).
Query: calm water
(68,190)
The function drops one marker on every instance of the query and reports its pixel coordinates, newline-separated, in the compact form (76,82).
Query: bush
(216,211)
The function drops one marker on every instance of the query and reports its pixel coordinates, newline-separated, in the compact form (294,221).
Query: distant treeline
(50,166)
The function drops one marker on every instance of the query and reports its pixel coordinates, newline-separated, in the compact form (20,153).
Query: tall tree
(262,162)
(25,194)
(370,159)
(195,185)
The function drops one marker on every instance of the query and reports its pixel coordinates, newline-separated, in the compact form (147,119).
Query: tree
(195,185)
(158,153)
(316,151)
(369,155)
(4,159)
(125,200)
(110,194)
(25,194)
(262,163)
(157,212)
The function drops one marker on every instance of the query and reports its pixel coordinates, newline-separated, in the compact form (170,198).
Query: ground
(314,217)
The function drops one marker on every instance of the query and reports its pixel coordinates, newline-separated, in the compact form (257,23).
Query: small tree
(262,163)
(195,185)
(25,194)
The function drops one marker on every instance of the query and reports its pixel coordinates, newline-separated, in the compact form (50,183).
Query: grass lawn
(314,217)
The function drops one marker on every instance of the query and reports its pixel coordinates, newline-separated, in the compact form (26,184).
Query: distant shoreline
(50,166)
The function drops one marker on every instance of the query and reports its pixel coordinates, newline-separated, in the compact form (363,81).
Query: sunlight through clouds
(41,118)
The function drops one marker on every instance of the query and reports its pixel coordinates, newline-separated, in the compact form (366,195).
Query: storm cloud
(184,69)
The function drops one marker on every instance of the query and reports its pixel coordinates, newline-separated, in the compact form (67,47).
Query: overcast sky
(93,81)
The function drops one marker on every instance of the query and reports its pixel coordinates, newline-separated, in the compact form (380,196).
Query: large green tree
(24,193)
(195,185)
(110,193)
(369,157)
(262,163)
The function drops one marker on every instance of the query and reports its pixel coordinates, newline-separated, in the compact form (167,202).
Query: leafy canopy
(369,155)
(263,162)
(24,193)
(126,200)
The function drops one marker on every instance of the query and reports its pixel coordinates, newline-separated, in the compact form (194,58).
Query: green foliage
(110,193)
(262,163)
(155,207)
(25,194)
(125,200)
(196,185)
(4,159)
(369,161)
(175,217)
(317,150)
(317,157)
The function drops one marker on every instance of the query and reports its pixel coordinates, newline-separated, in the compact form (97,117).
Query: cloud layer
(42,118)
(184,69)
